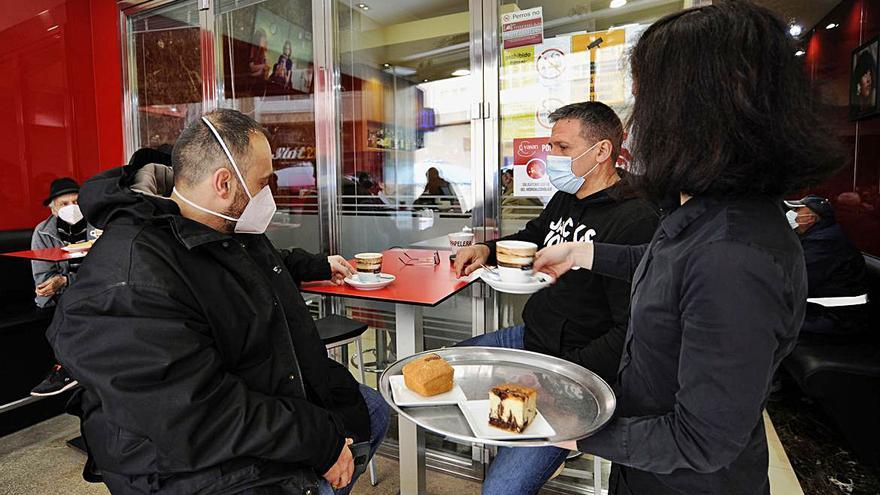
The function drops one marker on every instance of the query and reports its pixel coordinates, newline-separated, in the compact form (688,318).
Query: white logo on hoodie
(560,231)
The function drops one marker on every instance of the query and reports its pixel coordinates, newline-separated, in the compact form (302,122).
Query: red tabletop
(420,285)
(48,254)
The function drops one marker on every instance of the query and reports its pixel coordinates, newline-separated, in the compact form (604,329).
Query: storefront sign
(530,177)
(523,27)
(294,153)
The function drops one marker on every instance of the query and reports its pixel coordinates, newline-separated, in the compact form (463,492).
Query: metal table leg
(410,340)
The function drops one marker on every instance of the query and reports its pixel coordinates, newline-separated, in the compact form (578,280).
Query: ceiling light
(386,65)
(425,80)
(799,53)
(398,70)
(832,25)
(795,30)
(53,28)
(363,6)
(616,4)
(461,72)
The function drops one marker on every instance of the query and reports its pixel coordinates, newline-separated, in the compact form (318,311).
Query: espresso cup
(368,266)
(515,260)
(458,240)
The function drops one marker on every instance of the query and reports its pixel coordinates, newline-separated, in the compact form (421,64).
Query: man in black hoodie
(583,317)
(200,365)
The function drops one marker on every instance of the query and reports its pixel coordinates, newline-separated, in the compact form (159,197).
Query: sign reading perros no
(523,27)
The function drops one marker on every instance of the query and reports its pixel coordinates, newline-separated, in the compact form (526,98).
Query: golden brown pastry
(428,375)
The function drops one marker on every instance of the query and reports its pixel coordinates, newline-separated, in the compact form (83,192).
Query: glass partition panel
(405,167)
(266,71)
(576,53)
(164,72)
(405,163)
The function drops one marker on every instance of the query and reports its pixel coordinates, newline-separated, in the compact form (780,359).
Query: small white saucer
(384,281)
(476,412)
(539,281)
(405,397)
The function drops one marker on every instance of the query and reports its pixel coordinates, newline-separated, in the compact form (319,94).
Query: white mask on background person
(70,214)
(260,209)
(792,215)
(561,174)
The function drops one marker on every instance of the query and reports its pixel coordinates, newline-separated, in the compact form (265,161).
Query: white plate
(476,412)
(383,282)
(70,249)
(539,281)
(405,397)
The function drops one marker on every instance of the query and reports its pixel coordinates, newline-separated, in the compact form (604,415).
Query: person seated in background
(65,225)
(835,268)
(583,317)
(200,366)
(438,191)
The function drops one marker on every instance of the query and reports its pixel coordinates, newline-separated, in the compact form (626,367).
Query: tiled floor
(36,461)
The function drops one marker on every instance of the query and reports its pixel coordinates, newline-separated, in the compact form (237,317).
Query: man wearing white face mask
(200,364)
(582,317)
(64,226)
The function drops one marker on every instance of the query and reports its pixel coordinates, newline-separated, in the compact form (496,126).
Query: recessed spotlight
(363,6)
(832,25)
(386,65)
(461,72)
(800,53)
(795,30)
(616,4)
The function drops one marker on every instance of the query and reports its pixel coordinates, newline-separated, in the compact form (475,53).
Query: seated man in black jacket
(200,365)
(583,317)
(835,268)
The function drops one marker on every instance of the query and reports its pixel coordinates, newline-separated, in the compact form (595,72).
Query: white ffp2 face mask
(792,215)
(70,214)
(260,209)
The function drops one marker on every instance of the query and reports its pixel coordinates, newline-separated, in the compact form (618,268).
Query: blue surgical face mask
(561,175)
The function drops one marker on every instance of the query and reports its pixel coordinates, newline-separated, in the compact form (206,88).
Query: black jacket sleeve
(732,304)
(617,261)
(534,231)
(305,266)
(602,355)
(179,395)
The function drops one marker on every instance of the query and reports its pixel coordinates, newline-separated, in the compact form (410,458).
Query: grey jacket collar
(49,227)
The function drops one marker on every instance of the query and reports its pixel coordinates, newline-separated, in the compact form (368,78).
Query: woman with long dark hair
(723,127)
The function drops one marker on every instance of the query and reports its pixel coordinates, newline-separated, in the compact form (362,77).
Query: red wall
(60,99)
(854,191)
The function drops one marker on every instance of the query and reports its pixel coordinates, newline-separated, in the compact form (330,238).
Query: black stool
(339,331)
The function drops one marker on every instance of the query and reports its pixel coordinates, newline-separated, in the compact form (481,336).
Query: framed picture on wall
(863,81)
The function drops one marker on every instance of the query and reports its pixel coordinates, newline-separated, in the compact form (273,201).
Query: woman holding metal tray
(722,128)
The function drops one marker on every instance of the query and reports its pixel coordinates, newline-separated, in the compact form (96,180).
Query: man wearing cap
(65,225)
(835,268)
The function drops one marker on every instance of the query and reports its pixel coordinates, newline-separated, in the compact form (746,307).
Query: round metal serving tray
(573,399)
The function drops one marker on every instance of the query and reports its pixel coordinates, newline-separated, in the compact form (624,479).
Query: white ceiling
(386,12)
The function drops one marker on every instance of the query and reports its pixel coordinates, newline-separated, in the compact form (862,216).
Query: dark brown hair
(723,107)
(598,122)
(197,153)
